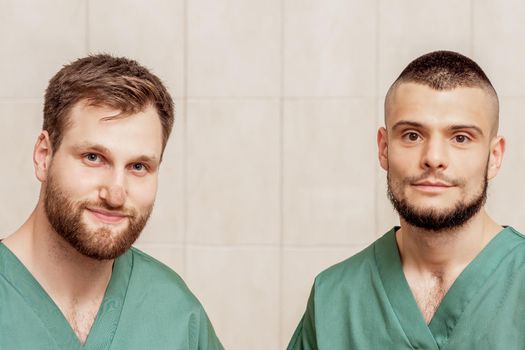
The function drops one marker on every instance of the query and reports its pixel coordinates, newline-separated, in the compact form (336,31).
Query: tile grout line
(272,247)
(376,108)
(472,28)
(86,28)
(185,139)
(273,97)
(8,100)
(281,176)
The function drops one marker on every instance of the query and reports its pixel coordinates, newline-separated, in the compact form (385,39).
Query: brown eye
(461,139)
(412,136)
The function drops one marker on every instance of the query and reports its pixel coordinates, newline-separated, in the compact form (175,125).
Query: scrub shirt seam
(376,267)
(123,301)
(44,326)
(462,313)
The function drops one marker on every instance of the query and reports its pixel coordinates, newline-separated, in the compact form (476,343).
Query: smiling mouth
(108,217)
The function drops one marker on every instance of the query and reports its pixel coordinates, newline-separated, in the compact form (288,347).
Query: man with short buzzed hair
(69,278)
(449,277)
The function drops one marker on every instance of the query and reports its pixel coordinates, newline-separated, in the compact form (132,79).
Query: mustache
(105,206)
(435,176)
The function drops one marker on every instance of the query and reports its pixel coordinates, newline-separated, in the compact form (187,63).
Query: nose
(435,155)
(113,192)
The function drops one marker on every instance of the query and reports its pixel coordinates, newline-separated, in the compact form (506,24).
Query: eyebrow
(406,123)
(402,123)
(146,159)
(466,126)
(102,149)
(91,146)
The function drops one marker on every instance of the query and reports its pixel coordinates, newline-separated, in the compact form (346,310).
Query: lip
(108,217)
(432,183)
(432,186)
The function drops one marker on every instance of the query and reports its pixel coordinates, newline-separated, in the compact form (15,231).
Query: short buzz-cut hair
(104,80)
(445,70)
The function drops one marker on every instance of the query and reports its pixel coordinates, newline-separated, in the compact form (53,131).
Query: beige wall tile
(170,255)
(300,267)
(411,28)
(239,288)
(151,32)
(233,48)
(330,48)
(329,168)
(499,28)
(506,200)
(38,37)
(233,171)
(20,124)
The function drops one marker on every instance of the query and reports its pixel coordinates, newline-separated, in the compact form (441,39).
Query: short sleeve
(304,337)
(202,334)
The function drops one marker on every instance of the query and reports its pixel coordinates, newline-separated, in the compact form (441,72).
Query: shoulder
(160,280)
(348,270)
(518,236)
(514,241)
(152,269)
(171,313)
(356,269)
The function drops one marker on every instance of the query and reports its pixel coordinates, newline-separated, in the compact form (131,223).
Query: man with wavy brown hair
(69,278)
(449,277)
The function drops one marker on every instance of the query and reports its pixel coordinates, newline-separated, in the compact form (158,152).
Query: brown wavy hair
(104,80)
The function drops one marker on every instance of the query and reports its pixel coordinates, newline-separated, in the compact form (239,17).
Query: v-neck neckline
(107,319)
(436,334)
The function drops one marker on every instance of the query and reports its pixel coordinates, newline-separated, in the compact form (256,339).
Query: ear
(497,149)
(382,147)
(42,155)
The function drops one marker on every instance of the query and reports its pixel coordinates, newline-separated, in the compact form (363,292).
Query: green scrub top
(146,306)
(366,303)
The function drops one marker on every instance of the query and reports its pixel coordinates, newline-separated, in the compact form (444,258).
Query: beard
(104,243)
(433,219)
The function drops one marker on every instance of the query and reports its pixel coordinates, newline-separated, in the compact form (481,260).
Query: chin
(440,205)
(103,243)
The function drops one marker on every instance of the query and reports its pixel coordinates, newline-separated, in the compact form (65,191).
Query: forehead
(420,103)
(136,133)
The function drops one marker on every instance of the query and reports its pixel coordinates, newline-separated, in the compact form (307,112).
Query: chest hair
(429,294)
(81,318)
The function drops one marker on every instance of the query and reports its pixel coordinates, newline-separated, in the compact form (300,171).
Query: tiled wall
(271,174)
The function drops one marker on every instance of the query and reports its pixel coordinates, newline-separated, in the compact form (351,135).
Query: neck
(444,253)
(66,275)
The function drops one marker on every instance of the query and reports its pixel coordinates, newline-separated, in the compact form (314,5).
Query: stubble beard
(433,219)
(104,243)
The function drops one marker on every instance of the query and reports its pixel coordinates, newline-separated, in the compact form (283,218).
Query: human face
(101,182)
(439,150)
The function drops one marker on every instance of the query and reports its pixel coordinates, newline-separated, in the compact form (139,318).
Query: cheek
(470,166)
(74,181)
(142,192)
(401,162)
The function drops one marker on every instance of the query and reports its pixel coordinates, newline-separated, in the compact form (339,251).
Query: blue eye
(138,166)
(92,157)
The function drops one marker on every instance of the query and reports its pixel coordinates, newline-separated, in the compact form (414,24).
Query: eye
(411,136)
(139,167)
(92,157)
(461,138)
